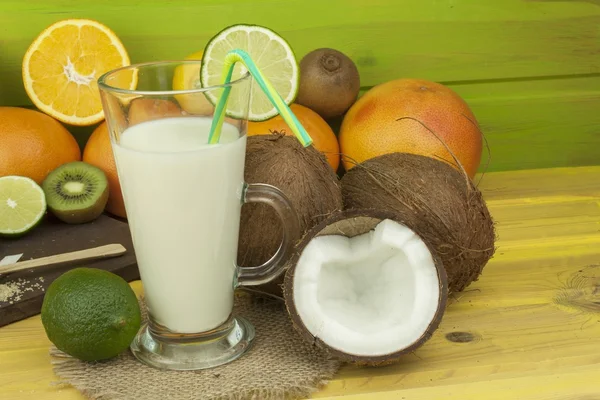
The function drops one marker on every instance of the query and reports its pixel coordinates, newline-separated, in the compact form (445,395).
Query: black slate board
(54,237)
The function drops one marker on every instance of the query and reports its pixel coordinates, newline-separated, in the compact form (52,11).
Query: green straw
(237,55)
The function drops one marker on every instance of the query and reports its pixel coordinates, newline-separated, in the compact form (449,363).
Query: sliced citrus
(62,65)
(22,205)
(272,55)
(187,76)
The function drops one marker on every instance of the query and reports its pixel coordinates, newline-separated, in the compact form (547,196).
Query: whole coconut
(305,177)
(435,200)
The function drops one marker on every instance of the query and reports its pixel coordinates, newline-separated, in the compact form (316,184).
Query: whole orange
(374,125)
(323,137)
(32,144)
(98,152)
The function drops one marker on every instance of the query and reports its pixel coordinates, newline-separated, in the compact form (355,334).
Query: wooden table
(528,329)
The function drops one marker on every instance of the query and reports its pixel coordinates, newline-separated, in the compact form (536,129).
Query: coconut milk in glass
(183,199)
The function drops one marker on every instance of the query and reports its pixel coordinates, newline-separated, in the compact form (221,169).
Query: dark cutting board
(54,237)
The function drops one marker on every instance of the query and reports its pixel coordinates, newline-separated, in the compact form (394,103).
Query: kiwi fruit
(76,192)
(329,82)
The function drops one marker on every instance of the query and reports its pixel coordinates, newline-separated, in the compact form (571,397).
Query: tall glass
(183,199)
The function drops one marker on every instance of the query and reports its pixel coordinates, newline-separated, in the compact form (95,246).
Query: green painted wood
(530,69)
(539,123)
(451,40)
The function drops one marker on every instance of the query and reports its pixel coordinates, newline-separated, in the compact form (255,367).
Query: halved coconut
(365,287)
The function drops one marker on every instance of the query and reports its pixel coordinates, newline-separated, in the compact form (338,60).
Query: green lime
(272,55)
(22,205)
(90,314)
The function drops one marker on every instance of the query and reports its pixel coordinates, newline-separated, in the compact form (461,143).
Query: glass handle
(267,194)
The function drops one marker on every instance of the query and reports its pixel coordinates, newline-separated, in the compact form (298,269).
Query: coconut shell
(304,176)
(352,223)
(433,199)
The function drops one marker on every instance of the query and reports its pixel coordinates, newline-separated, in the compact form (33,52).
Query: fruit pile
(405,115)
(391,219)
(414,116)
(37,152)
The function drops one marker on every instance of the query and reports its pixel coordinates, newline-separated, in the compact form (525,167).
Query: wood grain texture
(527,330)
(105,251)
(450,41)
(529,69)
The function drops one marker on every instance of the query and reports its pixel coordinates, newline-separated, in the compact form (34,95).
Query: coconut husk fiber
(279,365)
(303,175)
(436,200)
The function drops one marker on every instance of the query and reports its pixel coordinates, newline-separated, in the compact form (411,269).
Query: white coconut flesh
(370,295)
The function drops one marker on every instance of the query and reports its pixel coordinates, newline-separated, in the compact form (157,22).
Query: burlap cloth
(279,365)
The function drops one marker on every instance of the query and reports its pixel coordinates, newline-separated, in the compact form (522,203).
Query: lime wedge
(22,205)
(272,55)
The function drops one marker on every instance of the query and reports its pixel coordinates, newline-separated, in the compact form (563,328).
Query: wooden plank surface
(528,68)
(527,330)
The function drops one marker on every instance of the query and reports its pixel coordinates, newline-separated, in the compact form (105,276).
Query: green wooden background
(530,69)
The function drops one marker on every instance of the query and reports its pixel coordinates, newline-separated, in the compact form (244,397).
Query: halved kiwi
(76,192)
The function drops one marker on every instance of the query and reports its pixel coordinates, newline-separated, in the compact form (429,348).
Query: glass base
(157,348)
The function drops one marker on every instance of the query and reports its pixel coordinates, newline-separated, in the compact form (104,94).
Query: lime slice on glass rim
(272,55)
(22,205)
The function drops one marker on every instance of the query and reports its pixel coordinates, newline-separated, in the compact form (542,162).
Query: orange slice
(187,76)
(62,65)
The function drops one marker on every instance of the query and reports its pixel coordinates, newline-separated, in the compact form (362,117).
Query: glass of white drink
(183,199)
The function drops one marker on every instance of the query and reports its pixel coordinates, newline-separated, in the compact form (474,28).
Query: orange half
(62,65)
